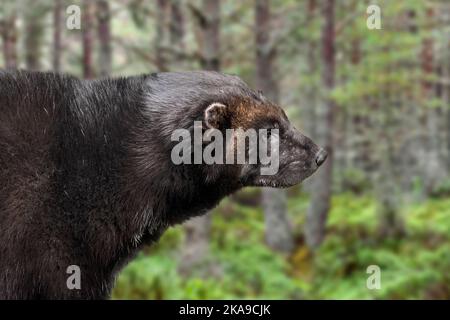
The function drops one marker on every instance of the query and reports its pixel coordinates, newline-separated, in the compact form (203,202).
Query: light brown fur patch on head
(247,112)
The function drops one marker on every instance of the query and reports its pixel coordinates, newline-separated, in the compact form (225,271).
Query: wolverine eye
(271,126)
(274,126)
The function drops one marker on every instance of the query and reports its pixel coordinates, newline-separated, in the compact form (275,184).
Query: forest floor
(414,266)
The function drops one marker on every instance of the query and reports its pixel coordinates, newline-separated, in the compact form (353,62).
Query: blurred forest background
(377,99)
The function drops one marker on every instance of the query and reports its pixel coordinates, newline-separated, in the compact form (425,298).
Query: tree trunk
(434,166)
(34,32)
(162,7)
(311,92)
(9,38)
(196,247)
(57,27)
(104,37)
(390,223)
(446,96)
(445,12)
(88,38)
(278,231)
(177,34)
(348,130)
(177,27)
(321,183)
(387,104)
(211,39)
(308,113)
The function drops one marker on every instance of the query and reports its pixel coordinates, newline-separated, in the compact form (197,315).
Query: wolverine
(86,177)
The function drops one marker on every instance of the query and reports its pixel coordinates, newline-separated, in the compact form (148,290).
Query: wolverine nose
(321,156)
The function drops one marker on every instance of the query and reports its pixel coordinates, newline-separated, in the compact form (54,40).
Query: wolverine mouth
(288,176)
(262,182)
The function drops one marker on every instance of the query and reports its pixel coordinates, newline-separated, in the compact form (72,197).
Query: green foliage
(149,277)
(430,221)
(249,269)
(351,215)
(412,267)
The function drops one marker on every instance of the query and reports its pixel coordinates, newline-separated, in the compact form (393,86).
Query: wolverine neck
(117,137)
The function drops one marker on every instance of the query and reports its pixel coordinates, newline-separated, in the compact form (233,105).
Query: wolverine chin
(288,177)
(270,182)
(273,183)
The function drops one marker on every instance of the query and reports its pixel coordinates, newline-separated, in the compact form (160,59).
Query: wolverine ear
(215,115)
